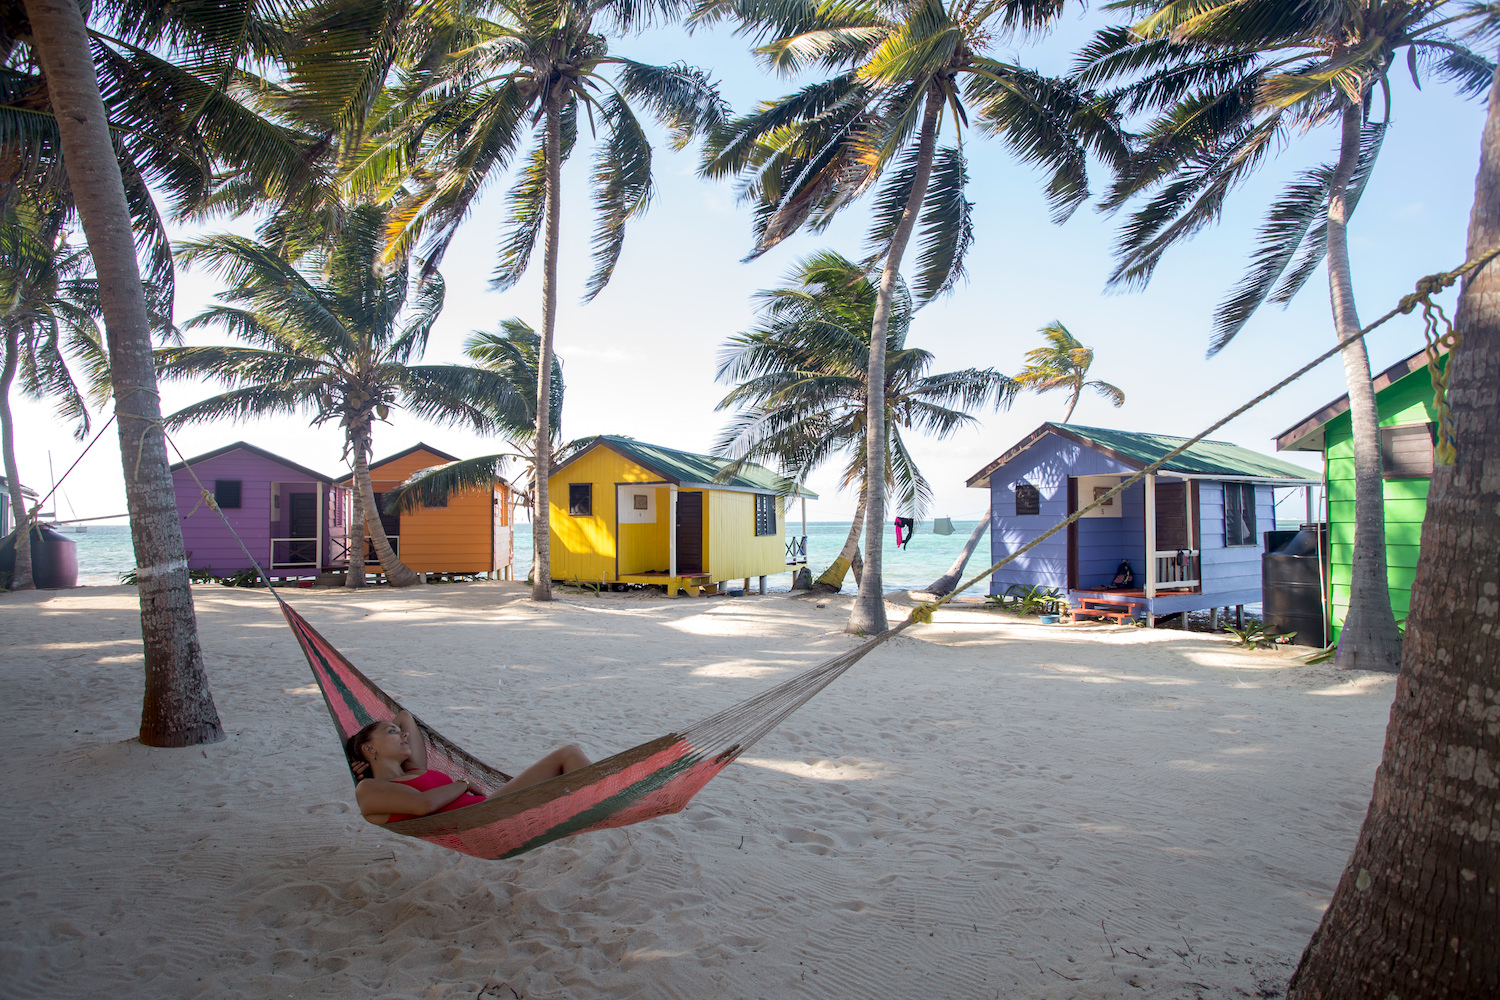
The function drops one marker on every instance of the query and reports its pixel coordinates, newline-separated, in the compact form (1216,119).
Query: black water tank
(54,559)
(1291,583)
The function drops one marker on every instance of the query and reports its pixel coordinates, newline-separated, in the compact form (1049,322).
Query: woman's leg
(560,761)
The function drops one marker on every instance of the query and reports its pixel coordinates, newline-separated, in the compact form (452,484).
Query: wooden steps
(1095,608)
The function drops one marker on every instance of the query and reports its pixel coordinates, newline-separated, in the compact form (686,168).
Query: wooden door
(690,532)
(1172,515)
(302,523)
(392,525)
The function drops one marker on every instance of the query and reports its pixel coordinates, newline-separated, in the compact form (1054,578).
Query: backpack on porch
(1124,577)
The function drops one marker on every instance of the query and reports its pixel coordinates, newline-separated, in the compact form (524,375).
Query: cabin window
(1406,452)
(338,509)
(581,499)
(1028,499)
(436,503)
(765,514)
(1239,513)
(641,501)
(227,492)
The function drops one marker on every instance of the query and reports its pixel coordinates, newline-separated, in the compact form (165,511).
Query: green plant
(1254,634)
(1033,600)
(243,578)
(128,578)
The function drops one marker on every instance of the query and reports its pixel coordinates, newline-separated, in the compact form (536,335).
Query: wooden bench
(1091,607)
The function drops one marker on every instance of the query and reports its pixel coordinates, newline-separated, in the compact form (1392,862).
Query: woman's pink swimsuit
(428,780)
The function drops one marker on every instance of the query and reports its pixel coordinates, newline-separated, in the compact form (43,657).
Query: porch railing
(796,550)
(339,549)
(1178,568)
(294,553)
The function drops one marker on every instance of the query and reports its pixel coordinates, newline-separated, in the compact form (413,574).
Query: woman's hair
(352,746)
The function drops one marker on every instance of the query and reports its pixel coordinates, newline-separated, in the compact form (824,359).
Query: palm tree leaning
(1064,364)
(802,396)
(335,336)
(48,308)
(523,80)
(803,158)
(1229,82)
(177,709)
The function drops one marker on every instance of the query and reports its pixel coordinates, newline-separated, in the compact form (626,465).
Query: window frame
(1387,438)
(765,515)
(239,494)
(573,503)
(1241,491)
(1034,494)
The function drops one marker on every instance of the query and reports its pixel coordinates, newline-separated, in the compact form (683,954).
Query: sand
(983,808)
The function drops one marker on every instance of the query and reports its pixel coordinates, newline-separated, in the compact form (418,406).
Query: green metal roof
(683,467)
(1206,458)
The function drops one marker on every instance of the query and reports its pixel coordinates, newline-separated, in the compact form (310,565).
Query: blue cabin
(1191,533)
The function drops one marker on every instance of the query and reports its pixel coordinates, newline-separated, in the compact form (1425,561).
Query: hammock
(653,779)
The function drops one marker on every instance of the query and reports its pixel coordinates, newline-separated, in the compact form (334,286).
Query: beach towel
(942,526)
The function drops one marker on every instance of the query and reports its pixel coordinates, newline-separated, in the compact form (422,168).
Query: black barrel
(54,559)
(1291,583)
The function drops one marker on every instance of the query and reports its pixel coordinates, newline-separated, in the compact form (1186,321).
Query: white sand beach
(983,808)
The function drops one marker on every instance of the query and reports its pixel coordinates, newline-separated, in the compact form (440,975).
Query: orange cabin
(471,534)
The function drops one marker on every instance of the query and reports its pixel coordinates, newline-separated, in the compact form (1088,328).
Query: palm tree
(1064,364)
(177,709)
(1422,869)
(48,308)
(803,158)
(802,396)
(522,80)
(513,354)
(1230,81)
(335,337)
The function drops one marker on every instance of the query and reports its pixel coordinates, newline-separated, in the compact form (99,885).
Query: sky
(639,360)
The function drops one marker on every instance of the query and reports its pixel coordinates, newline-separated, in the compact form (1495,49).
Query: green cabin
(1408,422)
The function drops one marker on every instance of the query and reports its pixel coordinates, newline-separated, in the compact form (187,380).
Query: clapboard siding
(209,543)
(458,538)
(1229,573)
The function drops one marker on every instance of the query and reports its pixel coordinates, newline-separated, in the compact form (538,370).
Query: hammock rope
(658,777)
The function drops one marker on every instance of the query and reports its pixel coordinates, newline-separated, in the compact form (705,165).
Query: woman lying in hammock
(390,761)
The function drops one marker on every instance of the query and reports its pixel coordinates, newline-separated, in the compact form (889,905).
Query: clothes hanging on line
(942,526)
(904,524)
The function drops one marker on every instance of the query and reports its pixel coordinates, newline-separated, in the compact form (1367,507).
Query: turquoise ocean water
(104,553)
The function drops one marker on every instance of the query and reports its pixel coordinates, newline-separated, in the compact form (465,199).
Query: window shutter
(1406,451)
(765,514)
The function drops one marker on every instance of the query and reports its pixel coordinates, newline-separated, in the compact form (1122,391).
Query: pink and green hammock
(644,782)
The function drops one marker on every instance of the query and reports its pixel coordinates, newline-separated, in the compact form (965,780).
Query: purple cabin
(291,518)
(1191,533)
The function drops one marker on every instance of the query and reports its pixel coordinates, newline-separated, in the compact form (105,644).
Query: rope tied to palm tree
(1440,336)
(1425,288)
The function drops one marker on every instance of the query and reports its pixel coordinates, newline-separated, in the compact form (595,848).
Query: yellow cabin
(470,534)
(627,512)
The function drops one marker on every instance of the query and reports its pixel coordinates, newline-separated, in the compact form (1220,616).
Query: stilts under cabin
(470,533)
(1191,533)
(626,512)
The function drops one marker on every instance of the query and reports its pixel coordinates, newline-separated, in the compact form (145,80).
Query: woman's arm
(381,798)
(415,742)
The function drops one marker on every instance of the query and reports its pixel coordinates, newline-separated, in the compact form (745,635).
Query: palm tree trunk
(1415,911)
(832,580)
(1369,639)
(178,709)
(20,576)
(1077,391)
(868,616)
(944,584)
(541,519)
(355,575)
(397,573)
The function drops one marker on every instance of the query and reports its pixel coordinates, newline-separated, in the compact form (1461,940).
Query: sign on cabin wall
(1090,488)
(636,504)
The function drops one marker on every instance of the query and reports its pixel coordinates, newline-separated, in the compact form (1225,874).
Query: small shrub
(1031,600)
(1255,634)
